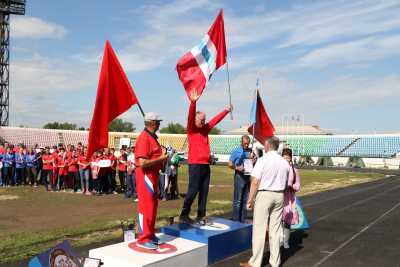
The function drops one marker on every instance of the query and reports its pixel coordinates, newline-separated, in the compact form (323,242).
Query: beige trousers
(267,213)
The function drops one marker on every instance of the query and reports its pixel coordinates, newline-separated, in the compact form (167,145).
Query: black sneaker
(186,219)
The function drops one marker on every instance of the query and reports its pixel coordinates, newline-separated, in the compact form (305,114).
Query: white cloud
(41,75)
(37,84)
(324,22)
(174,28)
(338,95)
(359,51)
(35,28)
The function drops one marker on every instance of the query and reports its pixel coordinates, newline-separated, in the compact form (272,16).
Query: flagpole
(140,108)
(229,88)
(254,126)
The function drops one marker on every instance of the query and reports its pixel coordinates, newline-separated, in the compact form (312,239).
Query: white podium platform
(176,252)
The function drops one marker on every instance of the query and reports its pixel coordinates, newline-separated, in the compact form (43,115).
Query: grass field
(32,220)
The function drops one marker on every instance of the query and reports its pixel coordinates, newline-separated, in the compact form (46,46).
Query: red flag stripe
(115,95)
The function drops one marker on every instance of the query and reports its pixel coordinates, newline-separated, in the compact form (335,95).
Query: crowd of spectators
(65,168)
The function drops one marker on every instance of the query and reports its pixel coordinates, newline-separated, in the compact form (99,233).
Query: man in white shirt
(269,180)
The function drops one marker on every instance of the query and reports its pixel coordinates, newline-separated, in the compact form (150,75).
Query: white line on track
(324,259)
(354,204)
(348,194)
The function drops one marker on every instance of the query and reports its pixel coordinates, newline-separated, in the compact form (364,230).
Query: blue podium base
(224,238)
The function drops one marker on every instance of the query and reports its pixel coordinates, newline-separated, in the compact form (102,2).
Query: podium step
(224,238)
(176,252)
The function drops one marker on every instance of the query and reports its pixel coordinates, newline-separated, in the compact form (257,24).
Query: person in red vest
(199,159)
(54,153)
(73,174)
(47,171)
(122,168)
(62,169)
(84,166)
(149,159)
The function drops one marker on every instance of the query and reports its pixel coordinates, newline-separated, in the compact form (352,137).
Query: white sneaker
(286,245)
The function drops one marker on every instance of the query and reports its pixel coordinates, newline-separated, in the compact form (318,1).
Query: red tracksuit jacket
(199,147)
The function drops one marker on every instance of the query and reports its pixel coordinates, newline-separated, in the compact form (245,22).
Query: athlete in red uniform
(149,158)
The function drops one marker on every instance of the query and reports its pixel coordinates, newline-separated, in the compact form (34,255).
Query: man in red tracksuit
(149,159)
(198,159)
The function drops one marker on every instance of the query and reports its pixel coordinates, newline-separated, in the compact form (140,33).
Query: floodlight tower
(7,7)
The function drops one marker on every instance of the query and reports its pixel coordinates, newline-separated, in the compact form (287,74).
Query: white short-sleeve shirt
(272,170)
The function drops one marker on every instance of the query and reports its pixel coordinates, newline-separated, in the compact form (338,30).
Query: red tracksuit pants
(147,190)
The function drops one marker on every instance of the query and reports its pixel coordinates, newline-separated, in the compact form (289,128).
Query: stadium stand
(322,146)
(177,141)
(374,146)
(381,147)
(29,136)
(223,144)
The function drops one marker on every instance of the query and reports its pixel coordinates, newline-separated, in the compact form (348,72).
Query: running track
(353,226)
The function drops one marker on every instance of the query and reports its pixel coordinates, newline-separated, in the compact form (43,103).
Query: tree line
(119,125)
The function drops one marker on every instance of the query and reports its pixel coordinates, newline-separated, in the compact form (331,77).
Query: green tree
(215,130)
(60,125)
(119,125)
(173,128)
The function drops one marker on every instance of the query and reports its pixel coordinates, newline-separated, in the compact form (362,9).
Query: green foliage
(173,128)
(119,125)
(215,130)
(60,125)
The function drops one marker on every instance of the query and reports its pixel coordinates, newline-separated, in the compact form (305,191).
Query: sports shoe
(203,221)
(148,245)
(286,245)
(156,241)
(186,219)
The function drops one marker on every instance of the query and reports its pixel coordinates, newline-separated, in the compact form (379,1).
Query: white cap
(151,116)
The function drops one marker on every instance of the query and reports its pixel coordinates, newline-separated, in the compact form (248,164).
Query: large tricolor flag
(260,125)
(114,96)
(196,66)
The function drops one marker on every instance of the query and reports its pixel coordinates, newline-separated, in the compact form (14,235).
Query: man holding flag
(149,159)
(195,69)
(268,182)
(199,159)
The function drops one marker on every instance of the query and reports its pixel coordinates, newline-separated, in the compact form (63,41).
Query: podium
(175,252)
(224,238)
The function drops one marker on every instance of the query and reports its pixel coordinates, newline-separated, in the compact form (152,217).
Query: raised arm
(214,121)
(192,111)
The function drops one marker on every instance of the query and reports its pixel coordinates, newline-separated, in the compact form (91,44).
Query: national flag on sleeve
(260,125)
(114,96)
(196,67)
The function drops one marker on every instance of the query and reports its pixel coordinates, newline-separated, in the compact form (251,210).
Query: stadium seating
(377,146)
(221,144)
(365,146)
(29,136)
(74,137)
(177,141)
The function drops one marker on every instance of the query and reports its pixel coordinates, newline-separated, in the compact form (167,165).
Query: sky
(336,63)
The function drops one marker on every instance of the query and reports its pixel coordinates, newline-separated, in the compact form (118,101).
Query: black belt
(264,190)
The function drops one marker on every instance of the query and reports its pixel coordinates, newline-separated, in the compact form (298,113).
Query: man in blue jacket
(241,179)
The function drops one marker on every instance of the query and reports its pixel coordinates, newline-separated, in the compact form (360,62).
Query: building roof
(287,130)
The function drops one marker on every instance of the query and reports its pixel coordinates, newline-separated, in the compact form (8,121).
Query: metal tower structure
(7,8)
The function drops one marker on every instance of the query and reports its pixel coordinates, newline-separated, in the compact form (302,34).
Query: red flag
(114,96)
(196,66)
(261,126)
